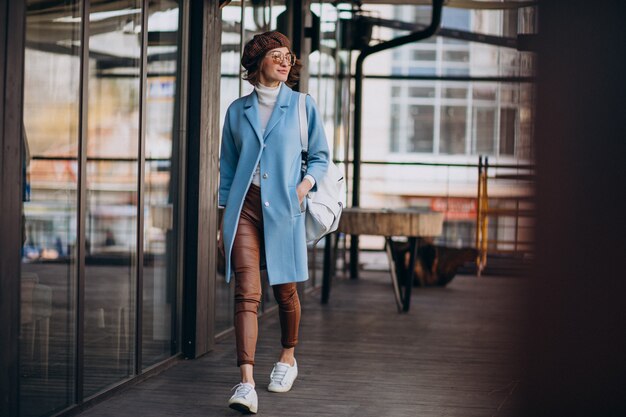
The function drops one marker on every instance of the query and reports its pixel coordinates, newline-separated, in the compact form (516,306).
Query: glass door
(161,184)
(50,206)
(112,172)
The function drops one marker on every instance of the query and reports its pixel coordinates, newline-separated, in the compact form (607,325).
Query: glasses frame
(279,60)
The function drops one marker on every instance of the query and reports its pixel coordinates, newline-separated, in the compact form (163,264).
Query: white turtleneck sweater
(267,100)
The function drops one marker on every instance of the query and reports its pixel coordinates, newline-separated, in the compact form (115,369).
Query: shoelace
(241,389)
(278,373)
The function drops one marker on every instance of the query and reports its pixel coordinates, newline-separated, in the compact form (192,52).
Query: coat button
(264,145)
(267,204)
(265,176)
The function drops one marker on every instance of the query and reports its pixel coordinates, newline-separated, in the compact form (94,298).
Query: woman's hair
(253,74)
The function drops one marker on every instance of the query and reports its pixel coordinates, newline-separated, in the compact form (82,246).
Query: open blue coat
(279,152)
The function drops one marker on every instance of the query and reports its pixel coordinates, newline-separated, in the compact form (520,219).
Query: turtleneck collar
(266,94)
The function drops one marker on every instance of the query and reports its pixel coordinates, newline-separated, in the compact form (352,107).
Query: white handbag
(324,206)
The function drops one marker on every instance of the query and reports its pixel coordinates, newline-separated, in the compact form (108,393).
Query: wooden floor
(454,354)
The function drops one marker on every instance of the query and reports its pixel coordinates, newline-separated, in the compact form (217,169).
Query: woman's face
(273,69)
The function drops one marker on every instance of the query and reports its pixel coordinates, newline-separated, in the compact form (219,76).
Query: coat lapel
(282,102)
(251,111)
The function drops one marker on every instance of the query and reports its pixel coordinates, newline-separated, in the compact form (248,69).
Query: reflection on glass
(484,130)
(48,271)
(229,91)
(452,136)
(161,186)
(112,185)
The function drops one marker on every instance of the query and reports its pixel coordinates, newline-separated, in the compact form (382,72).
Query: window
(452,92)
(421,126)
(456,56)
(420,55)
(421,91)
(484,92)
(394,140)
(484,130)
(507,131)
(453,130)
(456,18)
(509,23)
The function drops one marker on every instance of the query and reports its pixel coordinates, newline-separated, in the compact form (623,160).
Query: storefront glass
(50,205)
(112,193)
(161,184)
(58,350)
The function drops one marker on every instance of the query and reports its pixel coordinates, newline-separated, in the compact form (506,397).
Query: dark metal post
(141,180)
(326,278)
(478,211)
(201,177)
(358,104)
(409,274)
(12,21)
(81,225)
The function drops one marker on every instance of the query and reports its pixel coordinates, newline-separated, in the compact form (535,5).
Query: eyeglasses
(278,58)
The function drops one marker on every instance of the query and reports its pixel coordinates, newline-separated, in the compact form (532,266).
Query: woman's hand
(303,189)
(220,242)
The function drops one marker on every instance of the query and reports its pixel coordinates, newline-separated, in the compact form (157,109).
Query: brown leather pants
(247,252)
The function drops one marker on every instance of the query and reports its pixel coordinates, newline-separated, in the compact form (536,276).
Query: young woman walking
(263,192)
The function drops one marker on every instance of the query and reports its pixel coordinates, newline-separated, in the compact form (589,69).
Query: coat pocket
(296,208)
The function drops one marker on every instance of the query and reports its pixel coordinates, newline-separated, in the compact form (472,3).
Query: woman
(263,192)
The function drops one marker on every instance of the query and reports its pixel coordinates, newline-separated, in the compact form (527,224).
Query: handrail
(94,159)
(435,164)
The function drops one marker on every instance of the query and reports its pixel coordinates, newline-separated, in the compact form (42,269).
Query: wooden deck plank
(454,354)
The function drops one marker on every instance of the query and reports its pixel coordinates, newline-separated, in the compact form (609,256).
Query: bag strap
(304,127)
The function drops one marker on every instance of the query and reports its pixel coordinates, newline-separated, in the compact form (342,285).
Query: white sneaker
(282,376)
(244,399)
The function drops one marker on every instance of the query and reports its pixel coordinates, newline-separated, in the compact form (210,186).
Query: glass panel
(452,130)
(229,91)
(112,170)
(509,94)
(455,92)
(484,92)
(456,18)
(524,144)
(421,91)
(484,130)
(456,56)
(507,131)
(421,124)
(394,140)
(161,187)
(48,272)
(424,55)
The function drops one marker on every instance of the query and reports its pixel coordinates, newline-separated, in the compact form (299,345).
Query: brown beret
(260,44)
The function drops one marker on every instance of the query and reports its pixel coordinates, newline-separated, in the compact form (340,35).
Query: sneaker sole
(242,408)
(280,389)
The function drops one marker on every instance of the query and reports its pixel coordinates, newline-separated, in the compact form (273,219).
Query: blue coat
(279,152)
